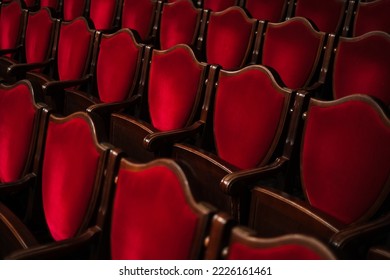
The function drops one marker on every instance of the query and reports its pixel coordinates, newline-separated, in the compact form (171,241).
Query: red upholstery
(238,251)
(372,16)
(249,108)
(138,15)
(362,66)
(166,228)
(102,13)
(179,22)
(69,170)
(30,3)
(17,111)
(50,3)
(73,9)
(293,49)
(327,15)
(10,20)
(229,38)
(270,10)
(73,46)
(116,66)
(345,158)
(174,79)
(38,36)
(218,5)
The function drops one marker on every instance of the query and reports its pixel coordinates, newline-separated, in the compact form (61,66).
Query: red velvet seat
(75,44)
(267,10)
(297,61)
(247,124)
(103,13)
(170,101)
(72,175)
(229,38)
(218,5)
(37,45)
(327,15)
(172,225)
(30,3)
(344,170)
(180,24)
(53,5)
(72,9)
(369,52)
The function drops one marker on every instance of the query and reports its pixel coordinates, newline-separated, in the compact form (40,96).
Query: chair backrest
(267,10)
(243,245)
(229,38)
(293,48)
(327,15)
(174,87)
(103,13)
(345,167)
(73,9)
(30,3)
(172,224)
(39,36)
(11,25)
(118,65)
(371,16)
(250,112)
(52,4)
(72,174)
(17,146)
(74,44)
(180,22)
(361,65)
(139,16)
(218,5)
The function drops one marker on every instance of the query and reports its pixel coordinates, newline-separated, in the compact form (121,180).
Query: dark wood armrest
(231,183)
(8,51)
(22,68)
(27,181)
(156,140)
(65,249)
(105,109)
(53,87)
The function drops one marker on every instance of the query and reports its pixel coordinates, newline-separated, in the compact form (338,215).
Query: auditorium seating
(267,10)
(218,5)
(72,9)
(103,14)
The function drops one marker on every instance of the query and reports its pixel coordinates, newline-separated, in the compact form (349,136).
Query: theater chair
(70,183)
(70,62)
(172,225)
(267,10)
(104,14)
(37,46)
(53,5)
(118,59)
(345,175)
(246,129)
(21,118)
(72,9)
(231,242)
(171,94)
(229,38)
(218,5)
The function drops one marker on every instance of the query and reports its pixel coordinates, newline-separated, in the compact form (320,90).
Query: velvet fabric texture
(270,10)
(218,5)
(238,251)
(229,38)
(345,159)
(327,15)
(10,20)
(362,65)
(73,9)
(69,170)
(178,24)
(372,16)
(248,112)
(30,3)
(102,13)
(116,66)
(38,35)
(50,3)
(17,111)
(174,81)
(138,15)
(73,46)
(166,228)
(292,48)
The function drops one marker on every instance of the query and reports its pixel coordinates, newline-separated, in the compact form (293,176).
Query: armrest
(65,249)
(24,183)
(156,140)
(105,109)
(52,87)
(230,184)
(21,68)
(8,51)
(361,236)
